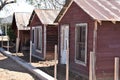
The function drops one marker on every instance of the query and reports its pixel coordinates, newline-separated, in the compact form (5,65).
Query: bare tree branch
(3,4)
(48,4)
(1,1)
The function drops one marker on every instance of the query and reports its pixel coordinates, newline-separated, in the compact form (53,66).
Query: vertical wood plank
(30,51)
(55,66)
(67,65)
(92,67)
(17,45)
(7,38)
(8,44)
(116,69)
(17,42)
(45,40)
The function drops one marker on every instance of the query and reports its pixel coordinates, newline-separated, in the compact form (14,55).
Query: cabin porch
(51,41)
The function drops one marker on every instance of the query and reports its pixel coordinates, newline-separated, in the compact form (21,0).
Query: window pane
(32,36)
(80,42)
(39,38)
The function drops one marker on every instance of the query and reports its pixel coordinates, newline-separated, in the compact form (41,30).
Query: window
(33,35)
(81,42)
(39,38)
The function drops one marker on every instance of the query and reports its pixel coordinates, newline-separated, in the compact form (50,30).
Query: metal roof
(46,16)
(101,10)
(22,20)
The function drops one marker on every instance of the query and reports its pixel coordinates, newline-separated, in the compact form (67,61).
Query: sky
(20,6)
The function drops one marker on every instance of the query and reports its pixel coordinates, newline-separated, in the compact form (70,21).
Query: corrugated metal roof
(102,10)
(46,16)
(22,20)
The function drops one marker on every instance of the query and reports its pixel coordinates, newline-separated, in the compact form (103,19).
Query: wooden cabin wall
(35,23)
(73,16)
(52,38)
(25,37)
(108,47)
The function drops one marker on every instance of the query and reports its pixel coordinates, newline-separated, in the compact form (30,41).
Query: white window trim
(78,61)
(38,27)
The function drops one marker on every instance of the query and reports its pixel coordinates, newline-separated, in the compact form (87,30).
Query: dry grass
(10,70)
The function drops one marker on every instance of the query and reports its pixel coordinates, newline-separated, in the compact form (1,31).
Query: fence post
(17,45)
(67,61)
(92,67)
(55,66)
(30,51)
(116,69)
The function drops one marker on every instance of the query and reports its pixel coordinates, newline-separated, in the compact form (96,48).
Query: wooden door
(64,42)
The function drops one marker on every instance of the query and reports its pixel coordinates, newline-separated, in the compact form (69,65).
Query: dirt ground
(48,67)
(10,70)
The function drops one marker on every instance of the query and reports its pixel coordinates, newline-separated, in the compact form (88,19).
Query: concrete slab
(40,74)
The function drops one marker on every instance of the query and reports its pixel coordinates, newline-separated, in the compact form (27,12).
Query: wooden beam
(17,45)
(95,36)
(67,62)
(30,51)
(116,69)
(17,41)
(45,39)
(92,75)
(99,21)
(90,67)
(65,10)
(55,66)
(114,22)
(94,47)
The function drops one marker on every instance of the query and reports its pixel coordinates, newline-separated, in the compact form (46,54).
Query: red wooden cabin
(21,30)
(43,33)
(90,25)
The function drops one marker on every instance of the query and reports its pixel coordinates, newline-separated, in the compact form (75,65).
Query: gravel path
(10,70)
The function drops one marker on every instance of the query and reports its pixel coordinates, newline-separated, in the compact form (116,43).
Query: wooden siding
(73,16)
(52,40)
(24,34)
(25,38)
(35,23)
(52,37)
(108,42)
(108,47)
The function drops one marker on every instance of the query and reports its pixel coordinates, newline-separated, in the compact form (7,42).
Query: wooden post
(17,42)
(2,40)
(17,45)
(7,39)
(116,69)
(92,67)
(30,51)
(55,66)
(8,44)
(45,35)
(67,64)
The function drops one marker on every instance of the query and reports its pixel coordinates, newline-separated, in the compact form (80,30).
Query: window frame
(83,25)
(39,28)
(33,35)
